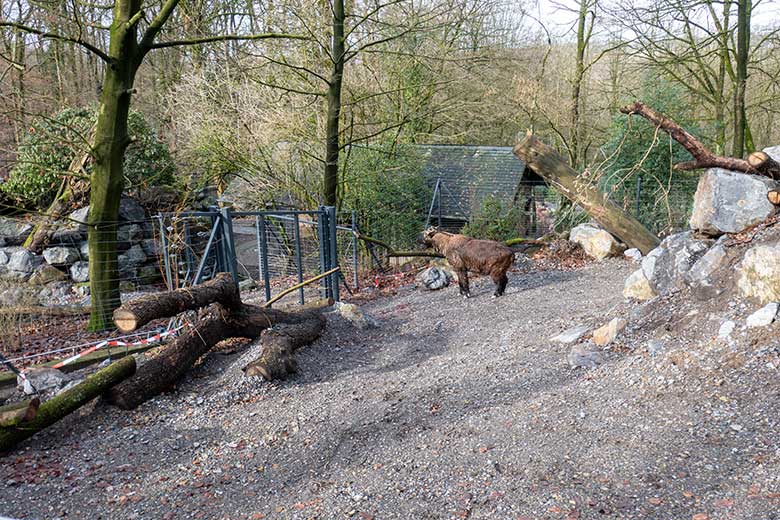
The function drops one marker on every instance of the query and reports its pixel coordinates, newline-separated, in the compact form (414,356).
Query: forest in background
(463,72)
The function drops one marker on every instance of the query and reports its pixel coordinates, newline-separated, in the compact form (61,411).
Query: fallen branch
(759,163)
(67,402)
(391,252)
(546,162)
(298,286)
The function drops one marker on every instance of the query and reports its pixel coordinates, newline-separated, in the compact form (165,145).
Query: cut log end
(125,320)
(774,197)
(757,159)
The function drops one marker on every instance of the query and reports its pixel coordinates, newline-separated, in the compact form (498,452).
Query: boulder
(667,266)
(80,216)
(14,232)
(596,242)
(46,274)
(131,210)
(773,152)
(637,287)
(60,255)
(763,316)
(609,332)
(355,315)
(700,276)
(758,275)
(434,278)
(79,272)
(42,379)
(23,261)
(133,257)
(151,247)
(4,257)
(84,250)
(571,335)
(730,202)
(582,356)
(131,233)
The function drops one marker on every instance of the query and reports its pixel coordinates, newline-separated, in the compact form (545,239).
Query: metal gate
(267,249)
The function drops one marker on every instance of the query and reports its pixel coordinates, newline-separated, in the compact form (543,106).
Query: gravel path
(452,409)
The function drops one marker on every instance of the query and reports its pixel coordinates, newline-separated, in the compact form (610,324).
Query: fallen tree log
(216,323)
(67,402)
(758,163)
(546,162)
(139,312)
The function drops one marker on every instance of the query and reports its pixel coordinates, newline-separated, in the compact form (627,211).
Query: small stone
(356,315)
(609,332)
(79,272)
(726,328)
(633,254)
(571,335)
(583,356)
(655,347)
(763,316)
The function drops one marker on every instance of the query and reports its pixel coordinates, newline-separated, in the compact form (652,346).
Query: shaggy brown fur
(469,254)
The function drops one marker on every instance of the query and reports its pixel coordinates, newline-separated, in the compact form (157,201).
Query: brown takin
(470,254)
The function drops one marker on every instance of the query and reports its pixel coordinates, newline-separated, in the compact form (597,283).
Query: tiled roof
(471,173)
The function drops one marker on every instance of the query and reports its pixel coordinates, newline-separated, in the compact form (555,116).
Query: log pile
(221,315)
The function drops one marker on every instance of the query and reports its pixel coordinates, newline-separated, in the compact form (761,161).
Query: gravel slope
(452,409)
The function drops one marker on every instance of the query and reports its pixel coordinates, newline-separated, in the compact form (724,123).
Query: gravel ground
(452,409)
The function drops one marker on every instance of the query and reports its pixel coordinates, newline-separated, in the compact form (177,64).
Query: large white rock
(79,272)
(571,335)
(729,202)
(434,278)
(759,273)
(13,231)
(763,316)
(596,242)
(638,287)
(60,255)
(700,276)
(41,379)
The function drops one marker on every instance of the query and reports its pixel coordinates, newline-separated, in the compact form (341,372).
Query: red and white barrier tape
(119,343)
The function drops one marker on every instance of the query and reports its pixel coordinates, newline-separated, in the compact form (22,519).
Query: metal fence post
(354,251)
(322,230)
(298,259)
(219,249)
(438,200)
(334,251)
(166,254)
(229,244)
(263,246)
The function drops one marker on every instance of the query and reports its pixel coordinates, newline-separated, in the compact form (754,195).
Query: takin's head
(427,236)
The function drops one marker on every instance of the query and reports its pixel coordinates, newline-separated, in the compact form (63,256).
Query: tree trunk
(67,402)
(332,138)
(111,141)
(743,50)
(137,313)
(553,168)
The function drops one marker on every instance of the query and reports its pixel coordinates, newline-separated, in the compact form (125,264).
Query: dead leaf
(655,501)
(688,494)
(701,516)
(724,502)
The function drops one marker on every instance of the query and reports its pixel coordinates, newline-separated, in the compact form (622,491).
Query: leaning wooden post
(554,169)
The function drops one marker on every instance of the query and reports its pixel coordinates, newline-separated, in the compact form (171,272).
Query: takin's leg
(463,283)
(500,280)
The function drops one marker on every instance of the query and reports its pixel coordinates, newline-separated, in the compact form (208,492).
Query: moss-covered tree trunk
(111,141)
(332,140)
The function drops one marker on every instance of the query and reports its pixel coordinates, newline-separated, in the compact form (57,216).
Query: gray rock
(56,294)
(131,210)
(729,202)
(14,232)
(434,278)
(571,335)
(46,274)
(19,295)
(667,266)
(79,272)
(84,250)
(4,257)
(773,152)
(80,216)
(656,347)
(60,255)
(151,247)
(582,356)
(133,257)
(131,233)
(763,316)
(759,273)
(149,274)
(355,315)
(41,379)
(699,277)
(596,242)
(23,261)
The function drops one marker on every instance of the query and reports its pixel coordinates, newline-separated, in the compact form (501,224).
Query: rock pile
(65,260)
